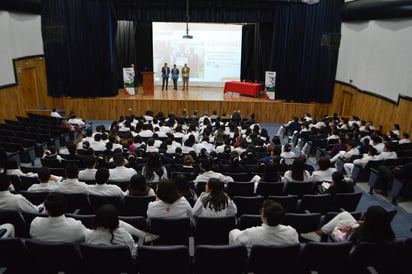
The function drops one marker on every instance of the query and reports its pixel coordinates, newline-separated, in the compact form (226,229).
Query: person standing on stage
(175,76)
(165,76)
(185,77)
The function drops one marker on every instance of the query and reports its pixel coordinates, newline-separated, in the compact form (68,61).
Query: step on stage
(196,98)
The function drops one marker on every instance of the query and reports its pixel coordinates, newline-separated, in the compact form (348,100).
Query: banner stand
(270,83)
(128,79)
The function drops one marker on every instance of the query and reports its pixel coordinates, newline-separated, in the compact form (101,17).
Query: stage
(196,98)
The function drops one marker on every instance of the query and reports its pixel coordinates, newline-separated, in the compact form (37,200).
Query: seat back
(299,188)
(77,202)
(240,189)
(289,202)
(35,198)
(172,231)
(53,163)
(96,201)
(303,222)
(231,259)
(15,218)
(334,257)
(261,259)
(347,201)
(316,203)
(266,189)
(86,219)
(15,256)
(163,259)
(249,220)
(248,205)
(27,181)
(214,230)
(61,256)
(107,259)
(239,177)
(136,205)
(383,257)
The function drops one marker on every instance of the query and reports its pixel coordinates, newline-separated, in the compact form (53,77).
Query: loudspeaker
(330,40)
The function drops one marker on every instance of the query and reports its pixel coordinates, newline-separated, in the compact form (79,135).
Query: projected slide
(213,54)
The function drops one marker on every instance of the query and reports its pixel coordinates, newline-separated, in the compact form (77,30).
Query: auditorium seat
(326,257)
(249,220)
(268,259)
(172,231)
(346,201)
(289,202)
(173,259)
(15,256)
(54,257)
(315,203)
(303,222)
(220,259)
(107,259)
(298,188)
(248,205)
(214,230)
(269,188)
(382,257)
(136,205)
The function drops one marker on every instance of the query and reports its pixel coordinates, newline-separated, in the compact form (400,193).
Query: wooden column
(148,82)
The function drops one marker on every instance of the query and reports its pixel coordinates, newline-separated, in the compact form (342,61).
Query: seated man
(120,173)
(72,183)
(57,227)
(271,232)
(46,181)
(101,187)
(207,173)
(11,201)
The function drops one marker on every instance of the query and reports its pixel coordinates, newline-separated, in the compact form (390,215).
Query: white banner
(270,83)
(128,79)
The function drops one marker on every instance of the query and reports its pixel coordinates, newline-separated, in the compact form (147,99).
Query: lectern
(148,82)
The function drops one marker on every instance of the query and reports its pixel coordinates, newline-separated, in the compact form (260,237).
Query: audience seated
(214,201)
(271,232)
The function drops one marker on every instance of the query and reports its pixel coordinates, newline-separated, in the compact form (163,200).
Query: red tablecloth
(244,88)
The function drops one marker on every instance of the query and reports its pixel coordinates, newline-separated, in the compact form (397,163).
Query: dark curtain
(134,45)
(291,46)
(78,39)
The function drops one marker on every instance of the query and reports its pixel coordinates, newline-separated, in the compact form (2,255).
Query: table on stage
(245,88)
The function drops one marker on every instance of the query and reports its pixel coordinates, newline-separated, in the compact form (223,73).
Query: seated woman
(139,187)
(108,230)
(297,172)
(338,185)
(168,203)
(375,227)
(325,171)
(183,188)
(154,171)
(214,201)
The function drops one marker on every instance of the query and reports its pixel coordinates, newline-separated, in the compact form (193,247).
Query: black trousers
(165,82)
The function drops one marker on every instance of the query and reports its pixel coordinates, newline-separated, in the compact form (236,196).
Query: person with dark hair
(11,201)
(235,166)
(12,168)
(101,187)
(272,169)
(57,227)
(139,187)
(89,173)
(325,171)
(207,173)
(46,181)
(169,202)
(375,227)
(404,139)
(120,173)
(287,153)
(214,201)
(183,188)
(108,230)
(338,185)
(297,172)
(351,150)
(154,171)
(271,232)
(72,184)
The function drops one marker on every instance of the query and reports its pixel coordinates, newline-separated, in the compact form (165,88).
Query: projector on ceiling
(187,36)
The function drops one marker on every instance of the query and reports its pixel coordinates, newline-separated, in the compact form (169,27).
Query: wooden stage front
(197,98)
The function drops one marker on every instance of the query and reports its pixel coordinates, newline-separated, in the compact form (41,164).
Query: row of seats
(205,230)
(27,255)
